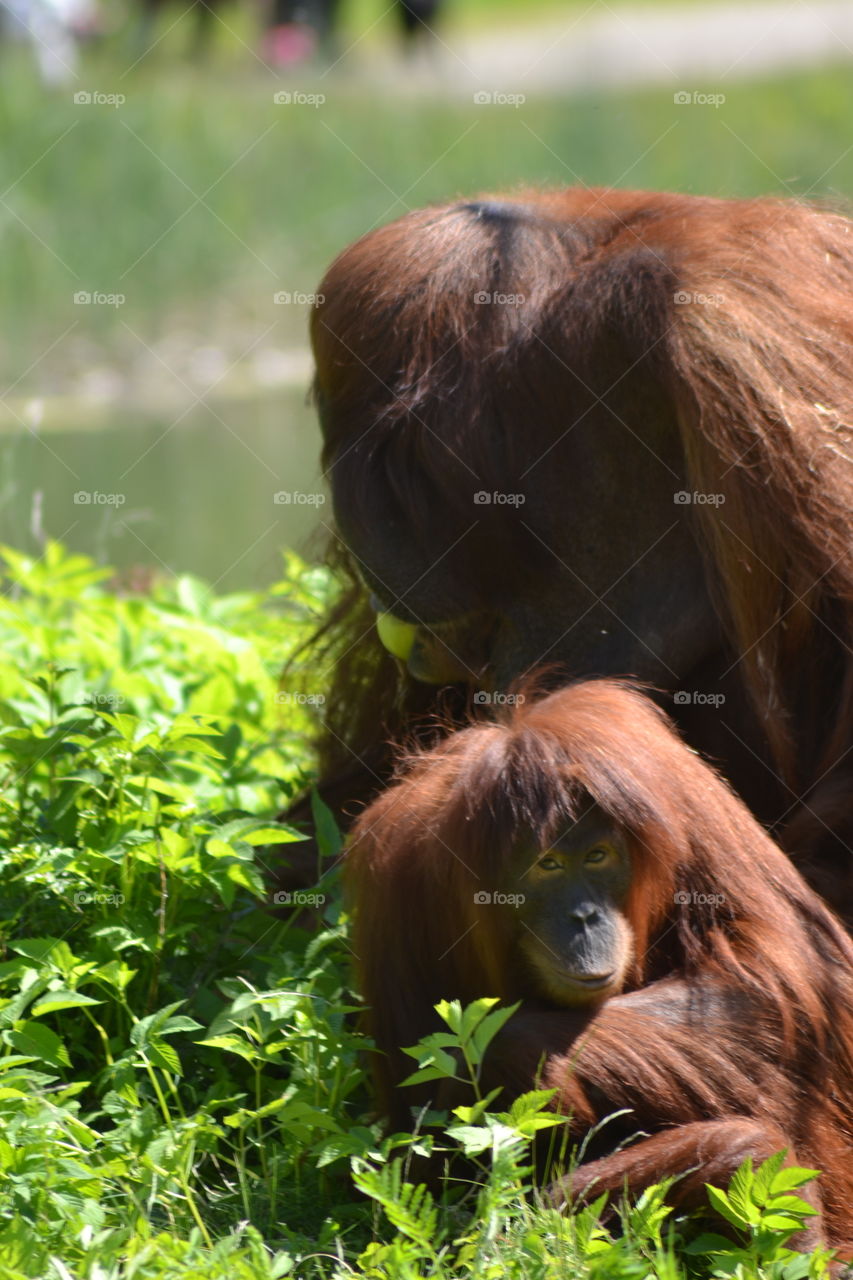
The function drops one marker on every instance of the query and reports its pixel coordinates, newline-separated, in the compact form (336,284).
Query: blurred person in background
(54,29)
(417,18)
(204,17)
(300,28)
(297,29)
(293,31)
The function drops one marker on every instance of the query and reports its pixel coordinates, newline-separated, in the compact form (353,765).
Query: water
(193,493)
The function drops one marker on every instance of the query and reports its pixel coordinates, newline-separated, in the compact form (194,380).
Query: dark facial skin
(571,926)
(619,587)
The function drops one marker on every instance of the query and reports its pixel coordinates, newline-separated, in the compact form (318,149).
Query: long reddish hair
(757,374)
(712,897)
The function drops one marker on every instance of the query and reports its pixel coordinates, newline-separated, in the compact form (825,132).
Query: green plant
(182,1085)
(762,1207)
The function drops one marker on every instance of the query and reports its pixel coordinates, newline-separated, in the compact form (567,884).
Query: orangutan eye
(597,856)
(548,863)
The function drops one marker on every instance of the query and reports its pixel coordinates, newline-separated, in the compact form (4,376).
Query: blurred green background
(179,405)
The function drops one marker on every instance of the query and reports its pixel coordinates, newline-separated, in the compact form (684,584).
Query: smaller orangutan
(670,961)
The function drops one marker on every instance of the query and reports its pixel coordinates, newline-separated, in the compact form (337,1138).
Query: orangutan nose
(585,913)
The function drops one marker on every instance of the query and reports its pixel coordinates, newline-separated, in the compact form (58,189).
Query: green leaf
(179,1023)
(195,746)
(220,848)
(443,1068)
(529,1115)
(233,1044)
(436,1040)
(51,951)
(163,1055)
(764,1176)
(791,1178)
(148,782)
(791,1204)
(329,840)
(38,1041)
(248,877)
(272,835)
(450,1011)
(474,1139)
(709,1242)
(52,1001)
(781,1222)
(126,726)
(410,1209)
(487,1028)
(470,1115)
(741,1193)
(154,1024)
(115,973)
(721,1204)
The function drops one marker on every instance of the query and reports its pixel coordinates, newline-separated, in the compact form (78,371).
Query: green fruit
(397,636)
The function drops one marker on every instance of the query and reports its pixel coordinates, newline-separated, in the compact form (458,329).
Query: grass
(182,1088)
(198,198)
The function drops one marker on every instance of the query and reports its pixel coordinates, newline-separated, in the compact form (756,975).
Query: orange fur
(740,1004)
(431,397)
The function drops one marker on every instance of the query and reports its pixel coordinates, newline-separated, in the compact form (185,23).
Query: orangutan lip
(591,982)
(597,980)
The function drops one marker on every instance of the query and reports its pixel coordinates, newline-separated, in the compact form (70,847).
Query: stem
(259,1123)
(105,1040)
(179,1172)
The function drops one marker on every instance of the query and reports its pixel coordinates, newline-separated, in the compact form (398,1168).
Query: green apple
(397,636)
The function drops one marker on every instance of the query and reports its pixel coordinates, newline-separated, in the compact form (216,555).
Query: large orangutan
(670,960)
(609,431)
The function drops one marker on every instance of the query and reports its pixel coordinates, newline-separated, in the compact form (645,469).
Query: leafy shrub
(181,1079)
